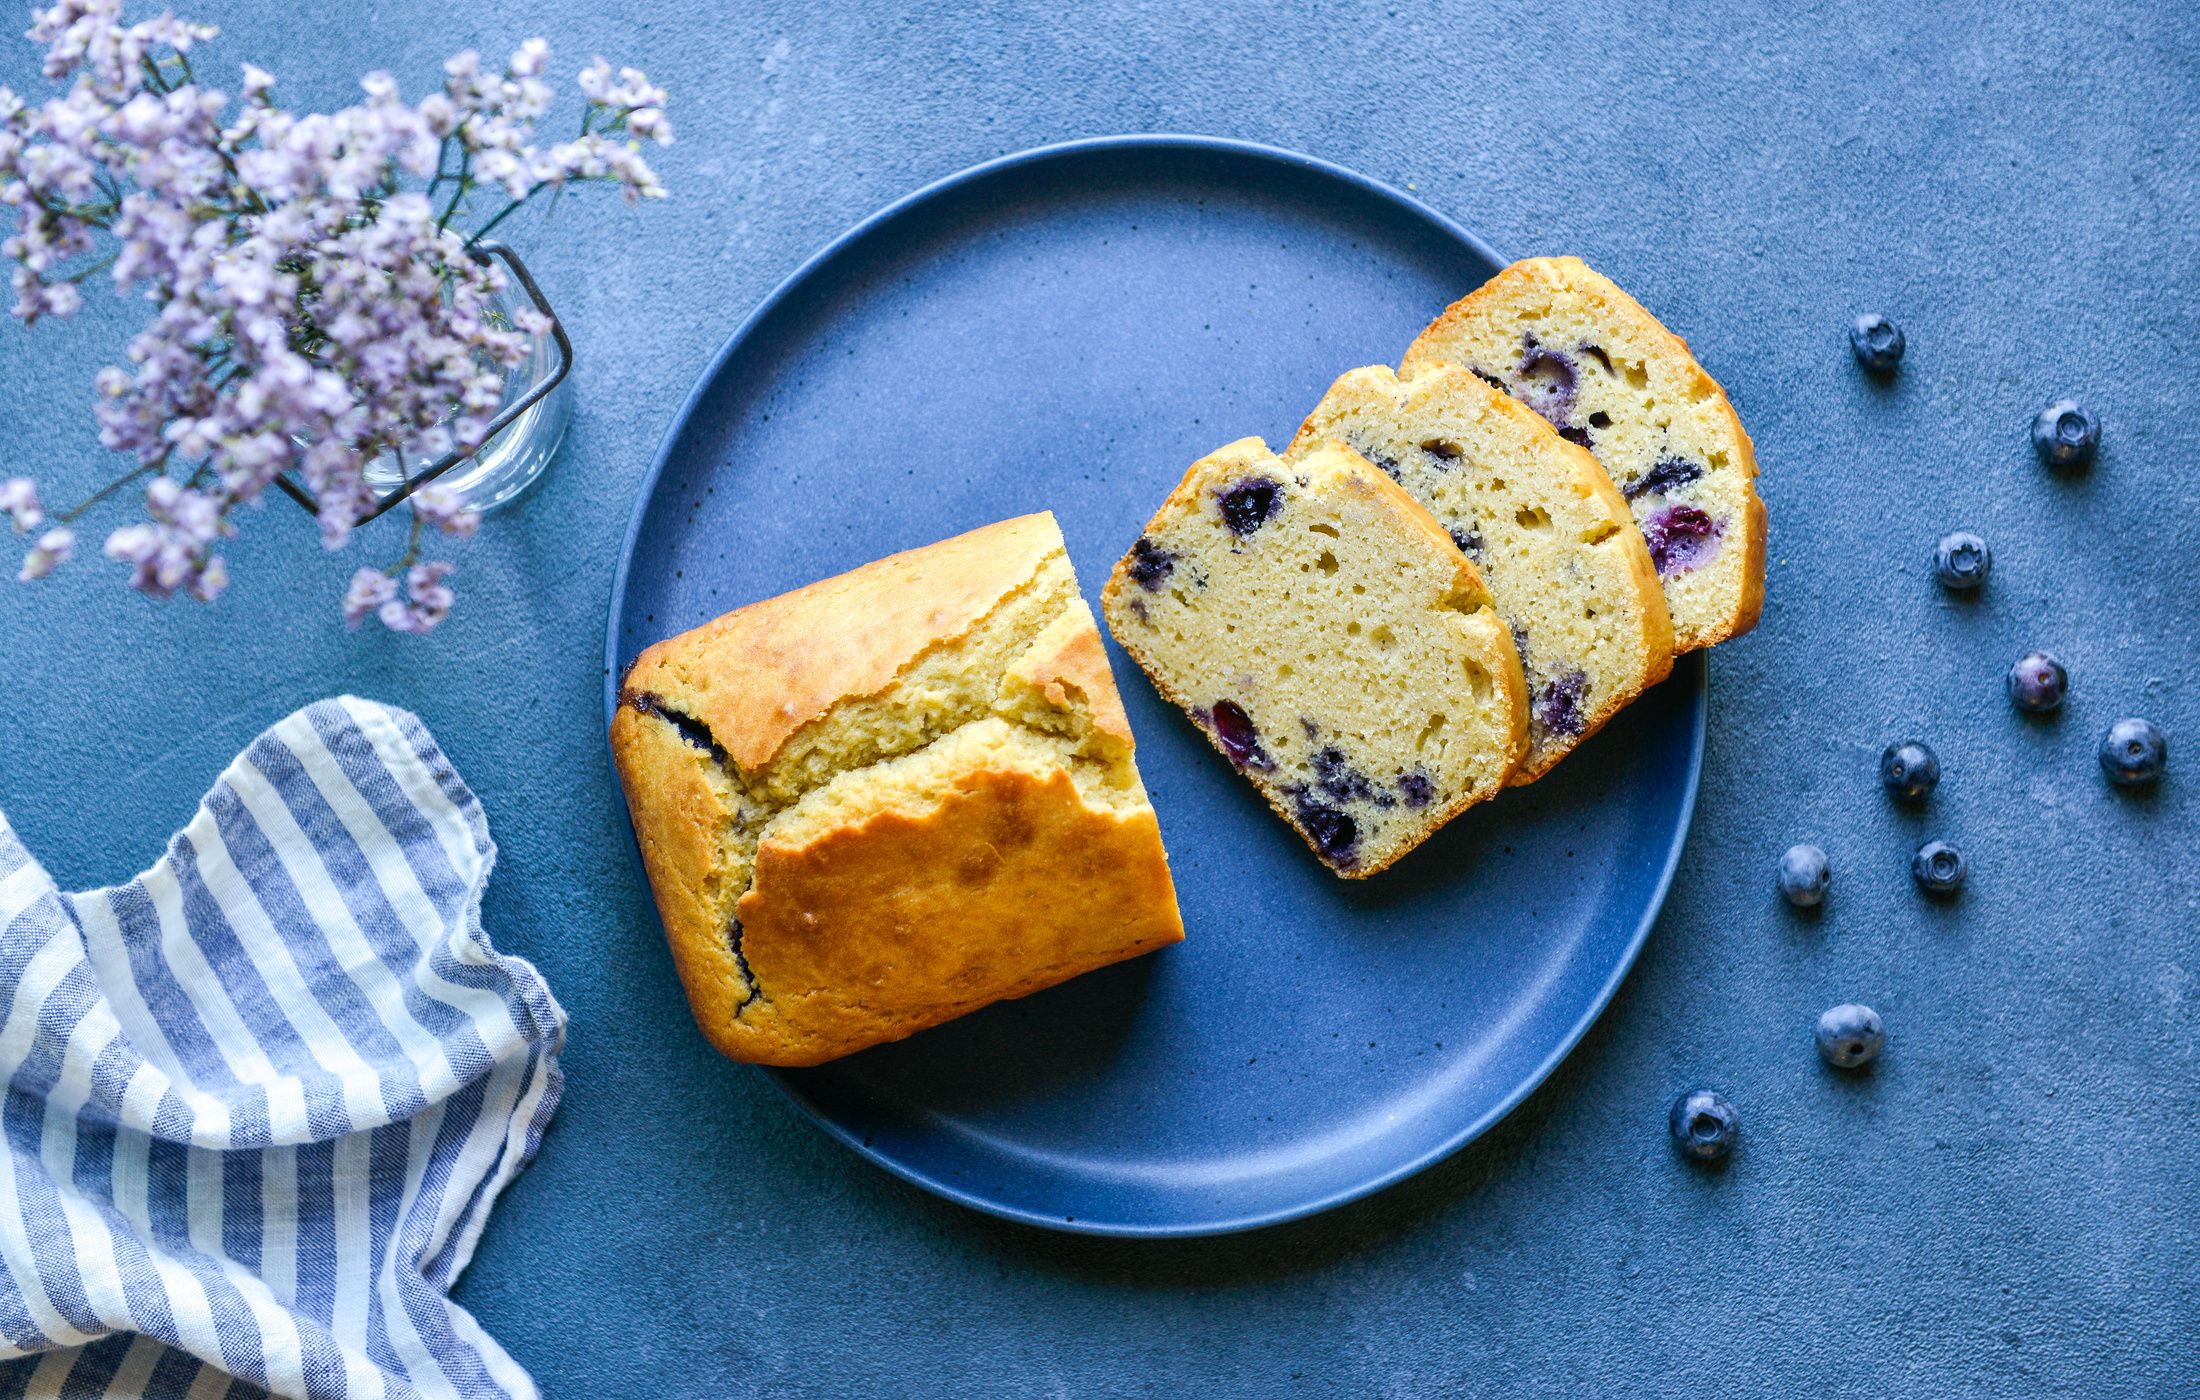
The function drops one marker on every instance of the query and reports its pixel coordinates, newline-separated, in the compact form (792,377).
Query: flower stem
(465,183)
(69,515)
(483,231)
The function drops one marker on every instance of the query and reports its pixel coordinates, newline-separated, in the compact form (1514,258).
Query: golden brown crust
(1572,274)
(760,673)
(903,896)
(679,813)
(844,932)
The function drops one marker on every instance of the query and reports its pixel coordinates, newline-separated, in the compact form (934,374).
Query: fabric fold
(261,1099)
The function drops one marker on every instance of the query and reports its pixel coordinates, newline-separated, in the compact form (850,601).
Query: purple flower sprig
(316,302)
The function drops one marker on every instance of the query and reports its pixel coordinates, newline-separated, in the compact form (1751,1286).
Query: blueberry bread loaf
(1332,643)
(890,798)
(1538,517)
(1574,347)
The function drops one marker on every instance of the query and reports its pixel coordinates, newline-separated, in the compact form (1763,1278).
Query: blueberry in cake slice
(1570,575)
(891,797)
(1331,641)
(1564,340)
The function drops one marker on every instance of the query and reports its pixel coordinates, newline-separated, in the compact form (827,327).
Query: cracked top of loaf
(891,797)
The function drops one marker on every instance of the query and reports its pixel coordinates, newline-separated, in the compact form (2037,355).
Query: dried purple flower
(430,600)
(370,589)
(49,552)
(19,502)
(314,308)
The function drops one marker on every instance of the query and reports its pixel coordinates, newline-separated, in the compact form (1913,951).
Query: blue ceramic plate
(1066,330)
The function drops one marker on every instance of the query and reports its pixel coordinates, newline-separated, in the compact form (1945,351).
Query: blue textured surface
(2004,1206)
(1096,306)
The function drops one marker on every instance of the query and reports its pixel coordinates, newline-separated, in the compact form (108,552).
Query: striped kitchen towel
(261,1099)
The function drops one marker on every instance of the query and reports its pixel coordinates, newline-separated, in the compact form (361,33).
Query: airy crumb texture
(1569,573)
(891,798)
(1332,643)
(1564,340)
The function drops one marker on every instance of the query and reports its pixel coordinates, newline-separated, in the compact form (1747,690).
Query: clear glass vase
(515,455)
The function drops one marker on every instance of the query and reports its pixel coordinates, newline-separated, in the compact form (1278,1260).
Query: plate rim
(819,261)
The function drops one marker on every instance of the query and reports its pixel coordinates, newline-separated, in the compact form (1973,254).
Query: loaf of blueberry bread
(890,798)
(1574,347)
(1568,571)
(1331,641)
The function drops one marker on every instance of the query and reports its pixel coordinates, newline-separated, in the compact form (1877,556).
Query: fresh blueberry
(1962,561)
(2133,752)
(1248,505)
(1909,770)
(1850,1036)
(1938,868)
(1804,876)
(1878,343)
(2065,435)
(1235,731)
(1150,564)
(1704,1125)
(2037,683)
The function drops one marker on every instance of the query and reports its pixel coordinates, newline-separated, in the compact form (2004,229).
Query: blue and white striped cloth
(261,1099)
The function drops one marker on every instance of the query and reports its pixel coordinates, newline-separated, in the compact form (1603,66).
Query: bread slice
(890,798)
(1331,641)
(1567,342)
(1538,517)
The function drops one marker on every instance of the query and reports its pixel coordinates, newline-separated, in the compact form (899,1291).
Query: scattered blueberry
(1962,561)
(1469,541)
(1850,1036)
(1249,505)
(1239,738)
(1704,1125)
(1938,867)
(2037,683)
(1667,474)
(1150,564)
(1878,343)
(2133,752)
(1909,770)
(2065,435)
(1804,876)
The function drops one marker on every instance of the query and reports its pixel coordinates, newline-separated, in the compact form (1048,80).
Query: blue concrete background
(2006,1206)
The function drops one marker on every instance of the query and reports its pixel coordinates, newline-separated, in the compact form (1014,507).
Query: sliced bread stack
(1549,466)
